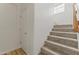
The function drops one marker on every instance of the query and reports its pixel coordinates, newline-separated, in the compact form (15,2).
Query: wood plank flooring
(19,51)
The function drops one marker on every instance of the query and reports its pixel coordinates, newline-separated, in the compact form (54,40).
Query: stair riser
(61,49)
(44,52)
(63,30)
(63,26)
(54,48)
(64,41)
(74,36)
(41,53)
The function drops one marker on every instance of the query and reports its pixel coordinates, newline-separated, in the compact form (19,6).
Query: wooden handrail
(75,21)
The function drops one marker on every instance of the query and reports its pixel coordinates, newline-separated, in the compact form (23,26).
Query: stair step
(63,26)
(41,53)
(64,41)
(61,41)
(61,48)
(47,51)
(63,37)
(64,34)
(63,30)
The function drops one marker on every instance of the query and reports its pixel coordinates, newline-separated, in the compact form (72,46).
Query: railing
(75,20)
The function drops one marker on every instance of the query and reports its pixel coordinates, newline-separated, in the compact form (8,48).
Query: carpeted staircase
(61,41)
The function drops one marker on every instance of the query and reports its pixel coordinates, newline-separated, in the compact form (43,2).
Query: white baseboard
(1,53)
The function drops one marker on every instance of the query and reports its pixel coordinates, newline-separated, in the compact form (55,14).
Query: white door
(27,28)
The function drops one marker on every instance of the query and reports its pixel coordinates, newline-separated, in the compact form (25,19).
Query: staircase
(61,41)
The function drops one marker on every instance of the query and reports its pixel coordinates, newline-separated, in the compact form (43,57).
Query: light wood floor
(19,51)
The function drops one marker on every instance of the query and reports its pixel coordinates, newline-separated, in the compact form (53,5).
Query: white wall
(9,32)
(78,11)
(65,17)
(44,22)
(42,26)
